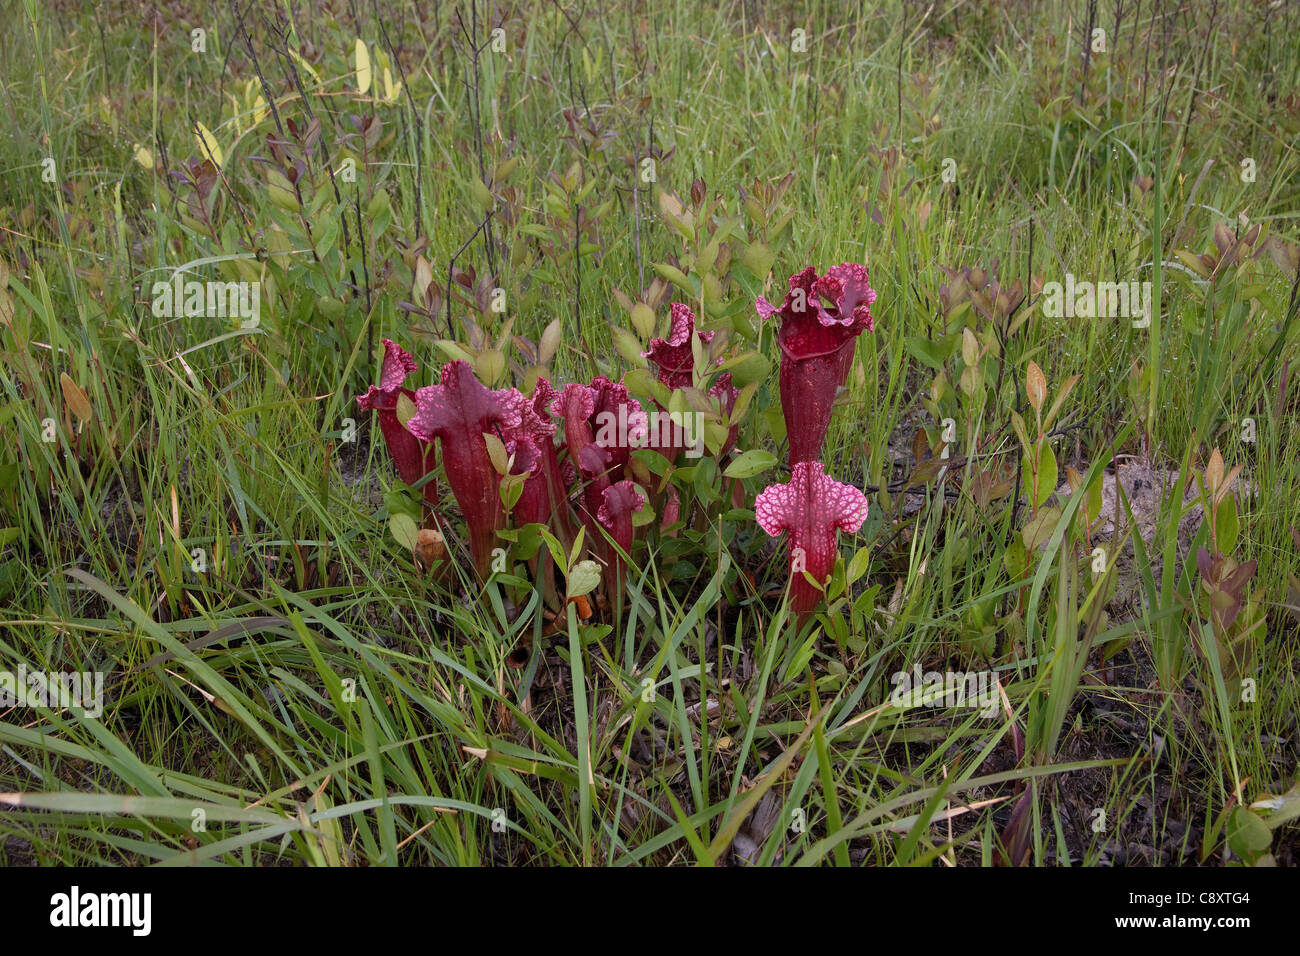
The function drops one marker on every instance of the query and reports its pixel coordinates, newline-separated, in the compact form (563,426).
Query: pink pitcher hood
(458,411)
(413,457)
(811,507)
(674,356)
(821,318)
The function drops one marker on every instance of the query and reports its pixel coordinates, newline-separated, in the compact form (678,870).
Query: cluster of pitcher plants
(562,458)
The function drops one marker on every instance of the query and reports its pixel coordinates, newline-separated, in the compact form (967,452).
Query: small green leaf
(802,656)
(454,351)
(970,347)
(1247,835)
(775,422)
(208,145)
(643,320)
(555,548)
(628,345)
(379,203)
(280,191)
(673,275)
(924,351)
(1094,499)
(496,450)
(399,501)
(583,578)
(512,486)
(1226,524)
(575,549)
(1061,393)
(698,355)
(1046,474)
(528,542)
(404,530)
(1015,559)
(332,309)
(858,566)
(1039,528)
(490,365)
(482,195)
(747,367)
(1018,426)
(750,463)
(406,409)
(742,403)
(758,259)
(706,480)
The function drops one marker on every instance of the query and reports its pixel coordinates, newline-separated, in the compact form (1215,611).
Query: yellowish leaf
(77,399)
(1073,479)
(496,450)
(1226,485)
(970,347)
(391,90)
(550,342)
(423,279)
(582,579)
(1035,386)
(406,409)
(1214,473)
(490,365)
(208,144)
(363,66)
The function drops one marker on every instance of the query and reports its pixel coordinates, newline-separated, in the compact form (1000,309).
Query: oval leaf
(363,66)
(1035,386)
(490,365)
(208,144)
(583,578)
(1247,834)
(1214,472)
(643,320)
(1226,525)
(1046,474)
(750,463)
(497,453)
(858,566)
(77,400)
(405,408)
(628,345)
(550,343)
(405,530)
